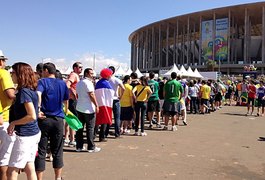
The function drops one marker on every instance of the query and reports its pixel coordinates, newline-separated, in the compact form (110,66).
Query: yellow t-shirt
(144,94)
(205,91)
(1,109)
(5,83)
(127,96)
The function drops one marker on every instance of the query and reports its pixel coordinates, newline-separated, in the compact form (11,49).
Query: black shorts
(126,113)
(170,113)
(261,102)
(153,106)
(251,101)
(218,97)
(204,102)
(170,107)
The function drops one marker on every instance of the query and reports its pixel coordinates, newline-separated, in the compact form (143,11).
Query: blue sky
(65,31)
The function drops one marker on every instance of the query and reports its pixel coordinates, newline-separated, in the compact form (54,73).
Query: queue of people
(44,99)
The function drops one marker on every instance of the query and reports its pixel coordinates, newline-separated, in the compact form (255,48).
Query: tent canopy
(173,69)
(120,72)
(138,72)
(197,74)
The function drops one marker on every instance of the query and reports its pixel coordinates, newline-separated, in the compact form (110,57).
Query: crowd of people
(33,107)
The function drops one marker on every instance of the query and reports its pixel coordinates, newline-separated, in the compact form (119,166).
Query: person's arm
(122,89)
(40,114)
(65,102)
(30,116)
(93,100)
(10,93)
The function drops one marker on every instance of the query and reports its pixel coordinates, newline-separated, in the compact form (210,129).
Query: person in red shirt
(251,89)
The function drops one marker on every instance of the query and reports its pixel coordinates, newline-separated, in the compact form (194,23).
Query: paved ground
(222,145)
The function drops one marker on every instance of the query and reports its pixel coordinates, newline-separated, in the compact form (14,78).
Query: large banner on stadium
(220,44)
(207,40)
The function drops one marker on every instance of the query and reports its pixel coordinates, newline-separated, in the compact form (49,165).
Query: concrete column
(174,45)
(246,37)
(228,37)
(200,43)
(188,42)
(167,44)
(177,45)
(153,48)
(159,47)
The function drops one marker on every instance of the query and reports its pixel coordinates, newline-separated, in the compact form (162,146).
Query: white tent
(183,72)
(190,72)
(173,69)
(120,72)
(138,72)
(129,71)
(67,71)
(197,74)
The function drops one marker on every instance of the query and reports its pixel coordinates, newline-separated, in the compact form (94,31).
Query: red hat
(105,73)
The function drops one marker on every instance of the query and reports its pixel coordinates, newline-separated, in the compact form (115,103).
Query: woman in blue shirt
(23,122)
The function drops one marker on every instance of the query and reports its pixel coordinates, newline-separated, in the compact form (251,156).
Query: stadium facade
(232,37)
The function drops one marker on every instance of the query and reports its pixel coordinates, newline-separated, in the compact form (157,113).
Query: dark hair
(76,64)
(134,75)
(126,78)
(144,80)
(203,82)
(112,68)
(191,84)
(58,74)
(151,75)
(50,67)
(39,67)
(173,75)
(25,76)
(86,71)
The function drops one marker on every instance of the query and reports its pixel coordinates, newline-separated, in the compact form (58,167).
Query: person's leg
(56,141)
(79,132)
(116,113)
(69,131)
(143,112)
(30,171)
(90,124)
(12,173)
(137,116)
(102,132)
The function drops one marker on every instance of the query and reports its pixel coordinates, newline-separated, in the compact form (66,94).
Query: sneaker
(158,126)
(80,149)
(72,143)
(151,126)
(136,134)
(247,114)
(97,149)
(258,114)
(66,142)
(143,134)
(165,128)
(185,124)
(174,128)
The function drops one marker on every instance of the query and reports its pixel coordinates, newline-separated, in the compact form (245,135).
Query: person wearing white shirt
(86,107)
(118,88)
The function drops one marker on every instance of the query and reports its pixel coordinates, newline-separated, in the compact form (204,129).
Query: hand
(97,109)
(41,115)
(10,129)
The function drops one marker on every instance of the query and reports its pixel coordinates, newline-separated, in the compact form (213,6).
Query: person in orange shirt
(71,82)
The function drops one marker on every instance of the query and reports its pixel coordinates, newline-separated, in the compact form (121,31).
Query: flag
(104,95)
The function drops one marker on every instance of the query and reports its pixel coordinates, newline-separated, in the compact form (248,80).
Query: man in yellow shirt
(7,94)
(205,96)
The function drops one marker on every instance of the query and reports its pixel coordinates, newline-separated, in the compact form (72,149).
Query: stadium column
(228,37)
(263,38)
(188,42)
(200,43)
(167,44)
(246,37)
(159,47)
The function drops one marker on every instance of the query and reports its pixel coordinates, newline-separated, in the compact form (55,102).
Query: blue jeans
(116,108)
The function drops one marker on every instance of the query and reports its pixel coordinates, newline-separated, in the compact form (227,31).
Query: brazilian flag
(73,122)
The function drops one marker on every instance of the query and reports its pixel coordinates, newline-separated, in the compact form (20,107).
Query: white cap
(2,56)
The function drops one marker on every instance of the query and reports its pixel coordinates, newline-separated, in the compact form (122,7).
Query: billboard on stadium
(221,39)
(207,40)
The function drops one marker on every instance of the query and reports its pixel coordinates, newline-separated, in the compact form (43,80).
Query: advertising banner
(220,44)
(207,40)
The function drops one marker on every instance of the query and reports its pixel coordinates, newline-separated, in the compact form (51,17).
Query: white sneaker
(97,149)
(174,128)
(72,143)
(136,134)
(79,149)
(143,134)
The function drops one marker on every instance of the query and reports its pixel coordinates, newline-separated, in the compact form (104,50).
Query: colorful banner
(207,40)
(220,45)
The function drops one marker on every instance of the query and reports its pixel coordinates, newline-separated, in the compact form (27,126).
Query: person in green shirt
(153,104)
(172,92)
